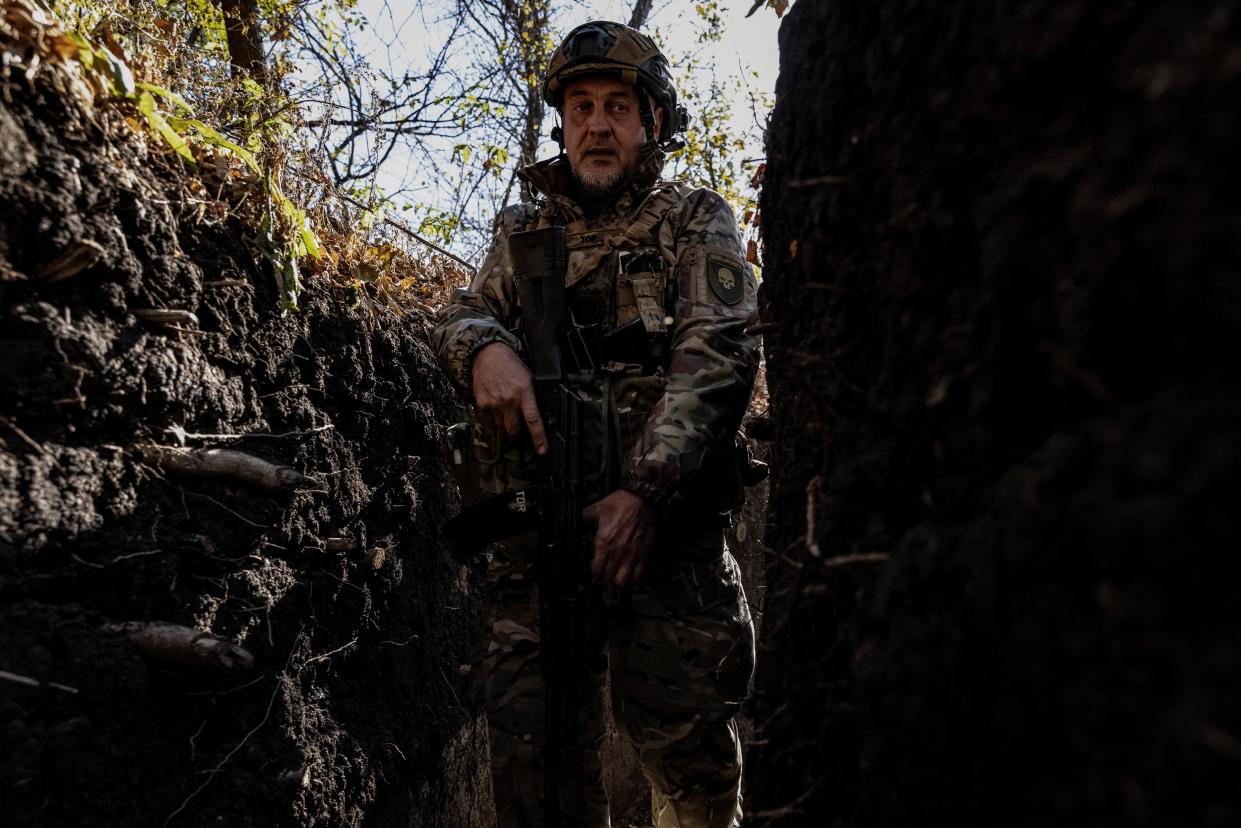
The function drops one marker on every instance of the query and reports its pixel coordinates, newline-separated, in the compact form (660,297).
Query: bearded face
(603,132)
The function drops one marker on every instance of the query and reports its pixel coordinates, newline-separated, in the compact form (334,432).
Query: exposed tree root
(185,646)
(842,561)
(31,682)
(79,256)
(160,316)
(182,435)
(228,463)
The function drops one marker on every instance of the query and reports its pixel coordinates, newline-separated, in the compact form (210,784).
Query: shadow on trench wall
(1001,255)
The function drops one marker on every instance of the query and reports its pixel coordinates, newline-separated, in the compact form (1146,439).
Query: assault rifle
(554,503)
(538,258)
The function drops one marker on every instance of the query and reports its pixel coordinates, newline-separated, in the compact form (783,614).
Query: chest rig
(617,281)
(617,278)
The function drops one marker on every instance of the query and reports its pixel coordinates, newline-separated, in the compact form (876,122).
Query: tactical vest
(617,274)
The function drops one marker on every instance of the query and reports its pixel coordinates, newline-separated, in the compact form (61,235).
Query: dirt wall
(354,709)
(1001,249)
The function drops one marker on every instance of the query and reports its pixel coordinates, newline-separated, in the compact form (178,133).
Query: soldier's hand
(504,394)
(624,534)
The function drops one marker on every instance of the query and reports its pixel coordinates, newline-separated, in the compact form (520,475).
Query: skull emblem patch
(727,279)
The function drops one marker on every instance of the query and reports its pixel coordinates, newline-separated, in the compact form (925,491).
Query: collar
(553,179)
(550,177)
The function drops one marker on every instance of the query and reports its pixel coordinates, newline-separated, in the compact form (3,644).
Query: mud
(1001,248)
(355,710)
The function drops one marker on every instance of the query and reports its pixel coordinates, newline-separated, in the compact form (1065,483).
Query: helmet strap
(558,133)
(648,122)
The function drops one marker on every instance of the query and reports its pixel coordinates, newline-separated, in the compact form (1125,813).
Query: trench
(997,564)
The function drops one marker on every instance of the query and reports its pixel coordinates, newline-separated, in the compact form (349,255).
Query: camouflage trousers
(677,652)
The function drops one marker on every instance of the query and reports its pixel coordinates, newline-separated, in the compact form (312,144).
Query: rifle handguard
(539,262)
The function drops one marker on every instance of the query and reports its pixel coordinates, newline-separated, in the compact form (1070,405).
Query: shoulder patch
(727,278)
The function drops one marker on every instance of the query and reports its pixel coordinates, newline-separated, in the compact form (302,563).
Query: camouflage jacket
(670,256)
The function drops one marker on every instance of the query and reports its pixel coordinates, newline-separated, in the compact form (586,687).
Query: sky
(400,33)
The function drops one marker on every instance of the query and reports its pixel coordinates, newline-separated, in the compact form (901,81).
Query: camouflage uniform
(679,645)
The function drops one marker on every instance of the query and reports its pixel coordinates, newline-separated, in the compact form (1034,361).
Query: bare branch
(641,12)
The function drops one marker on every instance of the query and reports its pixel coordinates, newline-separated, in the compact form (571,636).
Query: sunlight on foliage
(284,233)
(719,134)
(323,120)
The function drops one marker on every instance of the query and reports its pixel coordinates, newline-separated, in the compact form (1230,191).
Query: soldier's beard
(599,183)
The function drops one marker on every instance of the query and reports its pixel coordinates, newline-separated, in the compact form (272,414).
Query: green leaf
(279,126)
(117,71)
(216,139)
(310,240)
(86,52)
(168,95)
(146,105)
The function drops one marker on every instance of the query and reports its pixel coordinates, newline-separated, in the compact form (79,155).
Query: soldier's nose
(597,124)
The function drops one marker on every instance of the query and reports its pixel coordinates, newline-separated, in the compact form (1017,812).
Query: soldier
(670,626)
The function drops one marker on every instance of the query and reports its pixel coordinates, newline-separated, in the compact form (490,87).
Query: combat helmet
(602,47)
